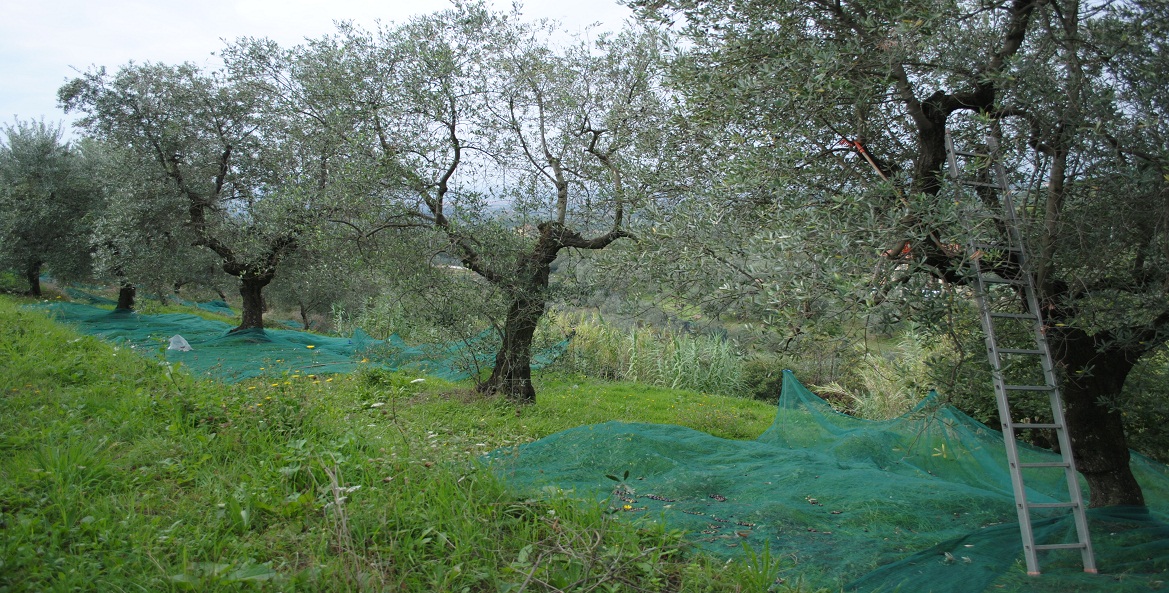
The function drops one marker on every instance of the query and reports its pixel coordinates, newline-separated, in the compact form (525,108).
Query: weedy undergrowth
(663,357)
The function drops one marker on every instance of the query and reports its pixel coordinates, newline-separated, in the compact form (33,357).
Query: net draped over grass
(922,502)
(233,356)
(120,474)
(919,503)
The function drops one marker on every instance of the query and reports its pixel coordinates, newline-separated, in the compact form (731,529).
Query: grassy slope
(117,473)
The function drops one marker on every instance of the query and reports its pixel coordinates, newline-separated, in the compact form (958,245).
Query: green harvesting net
(919,503)
(216,353)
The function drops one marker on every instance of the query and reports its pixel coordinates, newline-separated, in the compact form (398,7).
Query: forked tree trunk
(126,293)
(33,275)
(1096,428)
(512,375)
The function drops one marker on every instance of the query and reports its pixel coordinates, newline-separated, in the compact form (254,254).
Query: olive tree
(246,188)
(510,148)
(46,198)
(139,239)
(837,114)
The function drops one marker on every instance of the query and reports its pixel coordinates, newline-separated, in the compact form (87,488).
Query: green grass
(119,473)
(577,400)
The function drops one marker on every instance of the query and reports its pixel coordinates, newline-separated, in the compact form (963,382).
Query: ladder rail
(1006,423)
(1057,413)
(1024,283)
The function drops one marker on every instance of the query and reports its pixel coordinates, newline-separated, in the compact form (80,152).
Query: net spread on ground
(920,503)
(209,348)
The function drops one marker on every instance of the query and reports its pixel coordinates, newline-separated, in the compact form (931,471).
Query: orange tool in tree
(860,148)
(902,250)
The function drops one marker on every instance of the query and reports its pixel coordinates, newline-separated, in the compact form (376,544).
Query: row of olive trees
(789,167)
(89,209)
(465,136)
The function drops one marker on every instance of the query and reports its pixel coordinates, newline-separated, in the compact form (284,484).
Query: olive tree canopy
(246,185)
(507,146)
(828,121)
(45,195)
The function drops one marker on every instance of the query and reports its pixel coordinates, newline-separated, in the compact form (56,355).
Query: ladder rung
(1014,316)
(973,154)
(1051,505)
(1028,387)
(1000,280)
(980,184)
(994,247)
(1046,464)
(1080,546)
(1018,351)
(1034,425)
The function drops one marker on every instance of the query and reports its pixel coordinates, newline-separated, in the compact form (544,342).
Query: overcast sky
(44,42)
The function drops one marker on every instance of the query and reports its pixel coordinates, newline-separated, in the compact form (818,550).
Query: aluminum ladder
(984,172)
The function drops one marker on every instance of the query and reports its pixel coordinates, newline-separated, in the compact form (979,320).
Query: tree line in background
(777,165)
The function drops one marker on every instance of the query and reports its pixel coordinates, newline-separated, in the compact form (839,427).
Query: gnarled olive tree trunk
(126,294)
(1095,375)
(528,290)
(253,276)
(512,374)
(33,275)
(251,290)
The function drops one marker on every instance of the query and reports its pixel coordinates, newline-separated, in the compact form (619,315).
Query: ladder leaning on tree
(998,263)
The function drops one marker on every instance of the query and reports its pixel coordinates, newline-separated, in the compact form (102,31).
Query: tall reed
(886,384)
(656,356)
